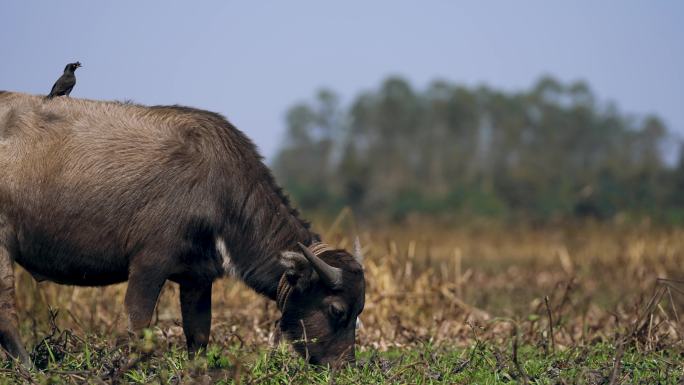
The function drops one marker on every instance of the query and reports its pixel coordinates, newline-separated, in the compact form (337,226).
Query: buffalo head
(320,297)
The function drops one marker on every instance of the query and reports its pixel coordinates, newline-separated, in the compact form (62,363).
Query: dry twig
(548,313)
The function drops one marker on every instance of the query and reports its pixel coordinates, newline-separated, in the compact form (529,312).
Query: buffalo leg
(196,310)
(9,332)
(145,282)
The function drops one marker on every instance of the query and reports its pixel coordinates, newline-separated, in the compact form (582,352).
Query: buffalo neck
(263,226)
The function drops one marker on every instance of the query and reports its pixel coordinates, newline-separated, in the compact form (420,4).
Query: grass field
(486,304)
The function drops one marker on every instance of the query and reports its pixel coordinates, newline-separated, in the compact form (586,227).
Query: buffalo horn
(358,255)
(331,276)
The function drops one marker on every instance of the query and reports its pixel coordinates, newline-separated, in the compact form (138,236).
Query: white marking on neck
(227,264)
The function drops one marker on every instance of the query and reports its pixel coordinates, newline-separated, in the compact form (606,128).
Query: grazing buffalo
(93,193)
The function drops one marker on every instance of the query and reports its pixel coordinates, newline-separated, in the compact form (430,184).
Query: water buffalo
(93,193)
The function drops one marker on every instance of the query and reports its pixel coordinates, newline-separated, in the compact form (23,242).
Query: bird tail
(49,96)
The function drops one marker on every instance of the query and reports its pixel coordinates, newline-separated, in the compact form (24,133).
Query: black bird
(66,82)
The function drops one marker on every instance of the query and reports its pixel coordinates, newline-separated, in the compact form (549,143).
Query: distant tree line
(552,151)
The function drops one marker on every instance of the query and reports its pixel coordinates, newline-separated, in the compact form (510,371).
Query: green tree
(550,151)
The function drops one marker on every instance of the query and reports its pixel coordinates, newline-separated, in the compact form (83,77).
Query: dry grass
(449,289)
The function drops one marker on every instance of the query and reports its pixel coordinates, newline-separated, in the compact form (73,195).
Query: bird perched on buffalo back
(66,82)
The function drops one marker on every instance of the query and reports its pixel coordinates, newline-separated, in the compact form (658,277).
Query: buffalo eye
(337,311)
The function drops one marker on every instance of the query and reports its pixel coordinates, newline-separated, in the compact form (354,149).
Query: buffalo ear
(298,269)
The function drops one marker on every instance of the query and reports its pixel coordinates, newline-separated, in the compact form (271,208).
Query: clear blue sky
(251,60)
